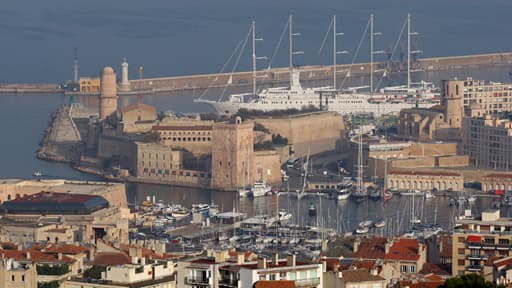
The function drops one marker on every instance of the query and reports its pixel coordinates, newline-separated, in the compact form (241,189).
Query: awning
(474,238)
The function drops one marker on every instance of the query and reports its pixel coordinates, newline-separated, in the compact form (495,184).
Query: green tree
(469,280)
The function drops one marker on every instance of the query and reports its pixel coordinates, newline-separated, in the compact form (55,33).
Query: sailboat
(360,192)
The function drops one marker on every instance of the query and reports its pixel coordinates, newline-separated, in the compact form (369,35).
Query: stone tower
(452,94)
(108,93)
(125,83)
(232,155)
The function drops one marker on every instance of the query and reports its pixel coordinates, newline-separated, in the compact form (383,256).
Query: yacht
(344,190)
(37,174)
(379,223)
(260,188)
(243,192)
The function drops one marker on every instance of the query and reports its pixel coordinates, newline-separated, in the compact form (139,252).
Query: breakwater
(279,75)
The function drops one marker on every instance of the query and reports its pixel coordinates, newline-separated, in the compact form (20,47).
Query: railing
(197,281)
(474,268)
(312,282)
(228,283)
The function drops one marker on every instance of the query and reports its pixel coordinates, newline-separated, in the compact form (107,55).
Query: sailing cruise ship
(388,100)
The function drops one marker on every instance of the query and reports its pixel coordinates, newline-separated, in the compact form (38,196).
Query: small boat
(312,210)
(200,208)
(260,188)
(37,173)
(243,193)
(180,213)
(366,223)
(429,195)
(411,192)
(284,216)
(471,198)
(388,195)
(415,221)
(362,230)
(374,193)
(379,223)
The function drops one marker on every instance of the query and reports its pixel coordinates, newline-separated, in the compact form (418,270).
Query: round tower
(108,93)
(125,83)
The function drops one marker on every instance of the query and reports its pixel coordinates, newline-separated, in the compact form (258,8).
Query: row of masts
(335,51)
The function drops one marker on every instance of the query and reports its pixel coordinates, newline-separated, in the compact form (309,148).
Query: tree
(469,280)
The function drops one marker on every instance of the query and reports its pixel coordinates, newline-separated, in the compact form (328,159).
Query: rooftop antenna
(75,66)
(139,95)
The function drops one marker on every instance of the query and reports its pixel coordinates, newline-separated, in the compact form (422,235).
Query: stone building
(480,240)
(232,154)
(137,117)
(194,135)
(487,140)
(108,93)
(458,96)
(89,85)
(87,218)
(425,180)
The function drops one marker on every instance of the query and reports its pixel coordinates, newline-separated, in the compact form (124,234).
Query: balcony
(474,245)
(312,282)
(474,268)
(503,246)
(200,281)
(474,257)
(228,283)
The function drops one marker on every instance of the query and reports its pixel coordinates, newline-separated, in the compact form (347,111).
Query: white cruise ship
(386,101)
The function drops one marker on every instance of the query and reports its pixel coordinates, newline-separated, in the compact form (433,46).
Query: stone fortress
(474,119)
(135,142)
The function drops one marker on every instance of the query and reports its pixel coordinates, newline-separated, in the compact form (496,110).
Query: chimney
(59,256)
(357,242)
(324,264)
(20,247)
(275,259)
(240,258)
(340,274)
(132,251)
(291,260)
(92,253)
(387,246)
(28,255)
(262,263)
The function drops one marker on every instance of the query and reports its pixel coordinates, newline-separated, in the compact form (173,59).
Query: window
(312,274)
(272,277)
(461,251)
(23,278)
(461,262)
(403,268)
(303,275)
(461,240)
(292,276)
(413,269)
(12,278)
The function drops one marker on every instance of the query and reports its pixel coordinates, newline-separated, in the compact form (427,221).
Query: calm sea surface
(187,37)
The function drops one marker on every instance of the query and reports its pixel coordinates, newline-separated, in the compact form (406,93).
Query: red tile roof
(67,249)
(429,268)
(35,256)
(360,275)
(372,248)
(499,175)
(404,250)
(111,259)
(275,284)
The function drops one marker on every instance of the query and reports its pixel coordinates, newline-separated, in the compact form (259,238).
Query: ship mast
(335,34)
(372,34)
(409,52)
(254,57)
(290,22)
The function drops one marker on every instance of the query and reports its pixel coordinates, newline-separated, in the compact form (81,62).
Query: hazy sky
(177,37)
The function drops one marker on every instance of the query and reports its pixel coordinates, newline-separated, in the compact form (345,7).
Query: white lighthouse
(125,83)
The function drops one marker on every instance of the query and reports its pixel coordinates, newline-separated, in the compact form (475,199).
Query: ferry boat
(344,190)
